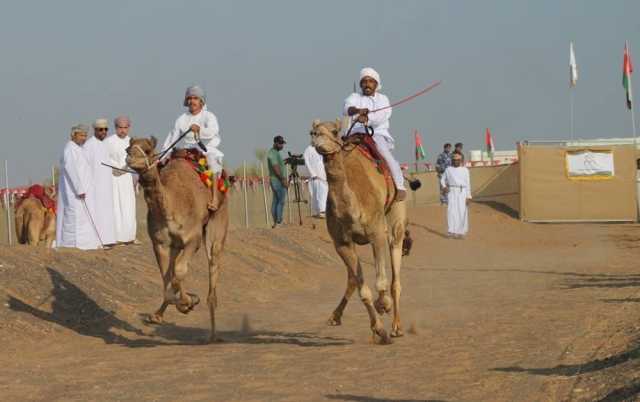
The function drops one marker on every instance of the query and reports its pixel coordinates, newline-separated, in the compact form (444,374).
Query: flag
(489,143)
(420,155)
(627,69)
(573,67)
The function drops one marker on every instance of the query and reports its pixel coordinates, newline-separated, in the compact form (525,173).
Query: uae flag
(420,155)
(627,69)
(489,142)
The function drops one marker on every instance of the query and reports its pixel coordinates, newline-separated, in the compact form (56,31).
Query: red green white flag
(420,155)
(627,70)
(489,142)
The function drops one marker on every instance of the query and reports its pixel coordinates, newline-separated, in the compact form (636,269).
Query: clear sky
(271,67)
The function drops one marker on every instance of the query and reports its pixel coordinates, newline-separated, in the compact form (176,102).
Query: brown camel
(358,212)
(178,222)
(34,223)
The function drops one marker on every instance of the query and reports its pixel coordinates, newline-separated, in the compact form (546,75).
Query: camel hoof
(186,308)
(154,319)
(334,321)
(384,339)
(383,305)
(397,333)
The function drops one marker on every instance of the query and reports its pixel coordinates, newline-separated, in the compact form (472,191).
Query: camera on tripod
(294,160)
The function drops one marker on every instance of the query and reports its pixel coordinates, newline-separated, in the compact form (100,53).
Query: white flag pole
(573,78)
(8,201)
(571,102)
(633,118)
(244,189)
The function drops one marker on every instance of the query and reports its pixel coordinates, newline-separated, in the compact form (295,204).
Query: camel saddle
(38,191)
(198,162)
(367,146)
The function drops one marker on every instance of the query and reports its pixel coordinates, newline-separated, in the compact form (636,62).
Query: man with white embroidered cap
(74,226)
(124,196)
(360,106)
(100,200)
(204,128)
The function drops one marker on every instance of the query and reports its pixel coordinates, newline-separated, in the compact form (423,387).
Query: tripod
(294,178)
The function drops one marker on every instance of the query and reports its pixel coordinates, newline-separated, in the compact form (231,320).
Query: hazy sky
(273,66)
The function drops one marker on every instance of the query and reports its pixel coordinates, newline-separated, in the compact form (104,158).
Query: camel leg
(396,288)
(379,245)
(185,301)
(33,230)
(162,258)
(352,283)
(20,225)
(397,225)
(214,255)
(349,256)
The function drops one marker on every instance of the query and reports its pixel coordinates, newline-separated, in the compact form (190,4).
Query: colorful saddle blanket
(38,191)
(367,146)
(198,161)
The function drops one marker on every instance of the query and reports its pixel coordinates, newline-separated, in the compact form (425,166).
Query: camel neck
(339,191)
(153,192)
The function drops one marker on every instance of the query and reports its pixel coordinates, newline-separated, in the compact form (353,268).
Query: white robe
(379,121)
(209,135)
(318,188)
(73,226)
(456,179)
(124,195)
(100,200)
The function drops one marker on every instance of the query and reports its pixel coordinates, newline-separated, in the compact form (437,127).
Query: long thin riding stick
(84,202)
(163,153)
(408,98)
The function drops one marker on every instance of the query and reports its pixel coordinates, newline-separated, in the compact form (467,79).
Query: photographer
(278,179)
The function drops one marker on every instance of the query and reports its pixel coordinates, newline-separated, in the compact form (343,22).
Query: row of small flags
(420,154)
(627,70)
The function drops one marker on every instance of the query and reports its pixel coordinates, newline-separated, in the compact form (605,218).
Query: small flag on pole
(489,143)
(627,69)
(420,155)
(573,67)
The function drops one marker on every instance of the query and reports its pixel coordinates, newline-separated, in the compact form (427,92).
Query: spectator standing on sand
(442,163)
(124,195)
(318,187)
(73,222)
(277,179)
(100,200)
(457,186)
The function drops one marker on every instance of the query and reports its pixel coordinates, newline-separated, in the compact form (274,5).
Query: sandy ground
(516,312)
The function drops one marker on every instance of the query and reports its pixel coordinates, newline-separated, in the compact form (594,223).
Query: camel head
(141,153)
(325,136)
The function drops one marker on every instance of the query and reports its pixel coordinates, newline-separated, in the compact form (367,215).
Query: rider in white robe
(360,107)
(73,223)
(100,200)
(457,186)
(124,196)
(318,187)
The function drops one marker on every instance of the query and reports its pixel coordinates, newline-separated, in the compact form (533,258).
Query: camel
(178,222)
(34,223)
(358,213)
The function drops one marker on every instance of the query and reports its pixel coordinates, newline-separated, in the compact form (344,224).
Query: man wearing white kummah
(124,195)
(360,107)
(457,187)
(100,200)
(318,187)
(73,222)
(204,127)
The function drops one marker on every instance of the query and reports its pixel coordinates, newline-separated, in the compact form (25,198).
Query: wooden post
(244,190)
(264,194)
(8,202)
